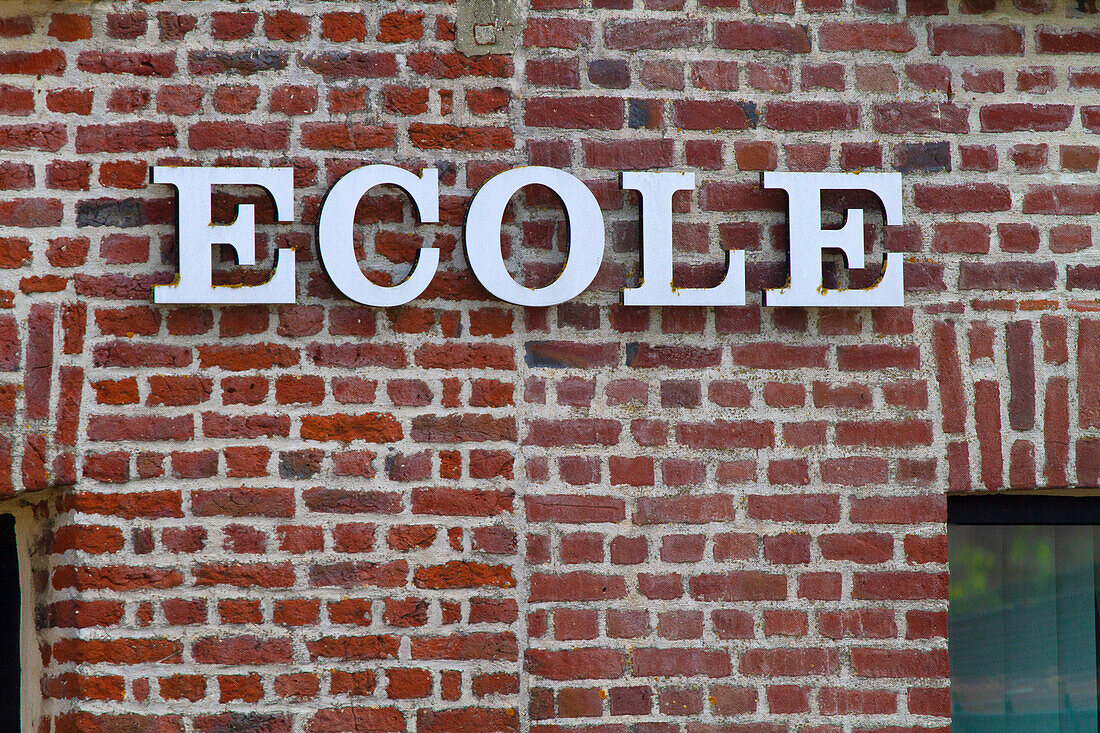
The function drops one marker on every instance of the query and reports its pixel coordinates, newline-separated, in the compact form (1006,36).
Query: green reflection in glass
(1022,628)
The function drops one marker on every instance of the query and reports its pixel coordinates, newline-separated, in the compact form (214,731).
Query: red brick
(37,63)
(961,198)
(135,63)
(650,662)
(788,662)
(587,663)
(67,27)
(580,113)
(399,26)
(893,37)
(885,433)
(975,40)
(633,35)
(714,115)
(761,36)
(1031,117)
(894,663)
(841,701)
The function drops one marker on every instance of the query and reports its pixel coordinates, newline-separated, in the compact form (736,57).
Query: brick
(811,116)
(871,357)
(1033,117)
(854,471)
(232,26)
(1021,375)
(1056,431)
(48,62)
(459,574)
(788,662)
(557,33)
(761,36)
(680,662)
(1029,157)
(779,356)
(894,37)
(899,585)
(962,198)
(574,509)
(459,502)
(840,701)
(135,63)
(975,40)
(640,154)
(632,35)
(68,27)
(454,65)
(557,73)
(44,137)
(573,432)
(899,510)
(717,115)
(1051,40)
(738,586)
(724,434)
(1062,199)
(884,433)
(786,699)
(805,508)
(575,586)
(866,547)
(863,623)
(879,663)
(237,135)
(1022,276)
(450,137)
(580,113)
(399,26)
(173,26)
(491,720)
(1088,347)
(575,664)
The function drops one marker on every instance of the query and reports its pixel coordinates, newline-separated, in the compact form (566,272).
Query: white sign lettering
(586,237)
(197,234)
(656,286)
(335,235)
(807,239)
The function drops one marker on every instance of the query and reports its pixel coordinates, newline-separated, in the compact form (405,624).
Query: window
(1023,613)
(10,613)
(21,668)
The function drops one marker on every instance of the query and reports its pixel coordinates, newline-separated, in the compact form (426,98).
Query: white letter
(197,234)
(335,233)
(586,236)
(807,239)
(656,286)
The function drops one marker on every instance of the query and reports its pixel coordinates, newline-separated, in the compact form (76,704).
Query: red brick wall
(459,515)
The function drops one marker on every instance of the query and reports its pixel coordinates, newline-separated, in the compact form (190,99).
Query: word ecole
(197,234)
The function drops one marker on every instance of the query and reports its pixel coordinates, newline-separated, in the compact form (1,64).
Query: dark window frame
(1023,509)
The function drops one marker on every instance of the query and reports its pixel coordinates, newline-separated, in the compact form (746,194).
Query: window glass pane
(1022,628)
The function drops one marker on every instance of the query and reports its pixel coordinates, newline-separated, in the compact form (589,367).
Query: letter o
(586,236)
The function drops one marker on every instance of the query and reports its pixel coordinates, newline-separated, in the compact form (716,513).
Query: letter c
(334,233)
